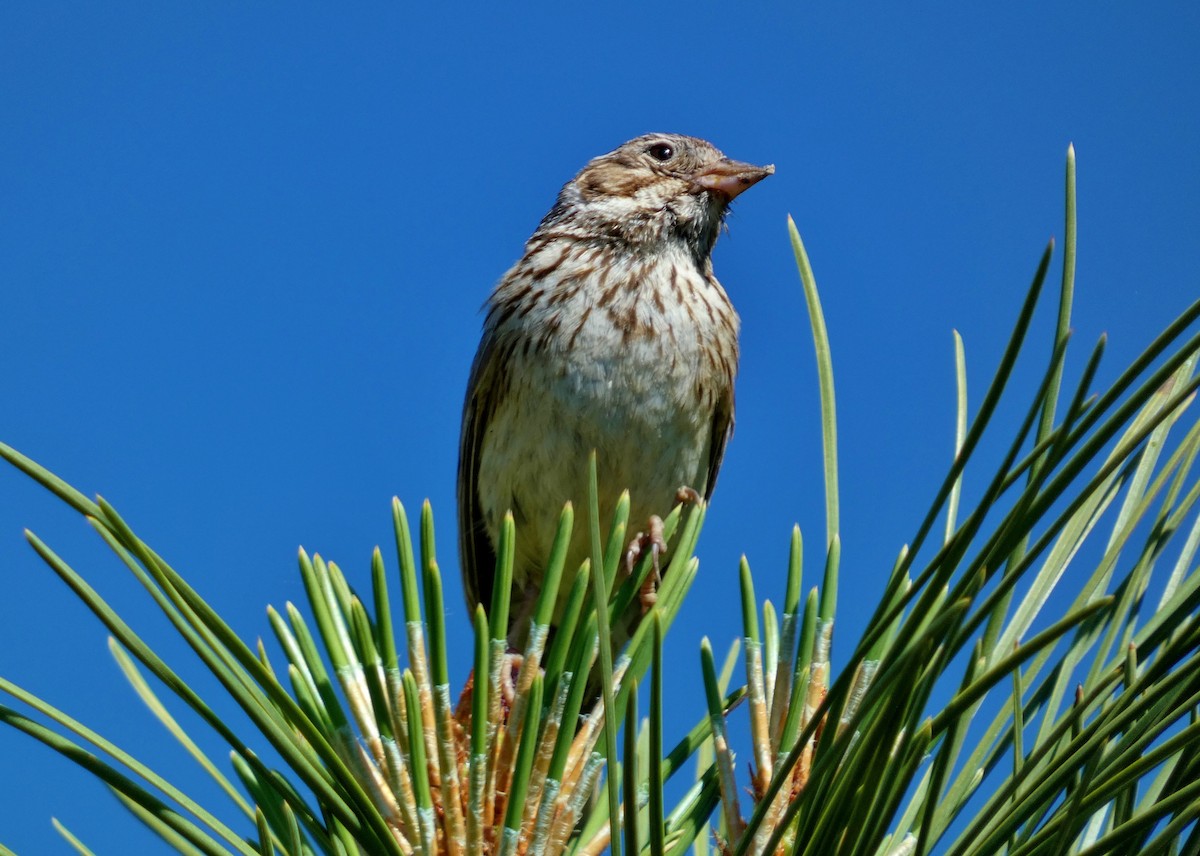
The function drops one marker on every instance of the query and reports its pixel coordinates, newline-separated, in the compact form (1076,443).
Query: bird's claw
(651,540)
(688,496)
(508,678)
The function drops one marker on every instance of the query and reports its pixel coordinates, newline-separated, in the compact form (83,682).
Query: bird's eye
(661,152)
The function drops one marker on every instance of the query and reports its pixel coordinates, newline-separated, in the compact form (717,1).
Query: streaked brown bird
(611,333)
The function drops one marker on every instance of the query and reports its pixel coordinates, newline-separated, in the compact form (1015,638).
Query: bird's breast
(634,333)
(629,359)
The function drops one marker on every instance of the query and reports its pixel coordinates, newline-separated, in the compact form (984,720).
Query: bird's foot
(652,540)
(509,672)
(688,496)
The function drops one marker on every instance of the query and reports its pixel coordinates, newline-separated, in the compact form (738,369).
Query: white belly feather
(635,399)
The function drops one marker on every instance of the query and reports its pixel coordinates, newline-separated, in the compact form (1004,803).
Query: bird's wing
(722,430)
(476,553)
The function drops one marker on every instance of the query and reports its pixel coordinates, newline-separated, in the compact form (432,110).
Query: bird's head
(654,189)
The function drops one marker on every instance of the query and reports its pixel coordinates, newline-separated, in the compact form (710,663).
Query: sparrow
(612,334)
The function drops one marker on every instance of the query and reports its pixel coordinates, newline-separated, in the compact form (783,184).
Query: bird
(611,334)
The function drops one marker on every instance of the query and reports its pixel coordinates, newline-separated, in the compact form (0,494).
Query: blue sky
(242,253)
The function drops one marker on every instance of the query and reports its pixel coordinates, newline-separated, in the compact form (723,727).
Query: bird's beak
(730,177)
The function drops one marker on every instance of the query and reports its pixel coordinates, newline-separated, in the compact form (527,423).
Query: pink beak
(730,177)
